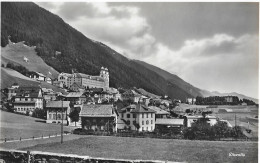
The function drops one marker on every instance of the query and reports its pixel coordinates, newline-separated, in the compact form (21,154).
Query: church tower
(105,75)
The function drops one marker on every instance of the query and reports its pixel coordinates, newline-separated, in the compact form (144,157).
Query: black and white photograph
(129,82)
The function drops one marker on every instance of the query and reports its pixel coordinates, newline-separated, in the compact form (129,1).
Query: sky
(213,46)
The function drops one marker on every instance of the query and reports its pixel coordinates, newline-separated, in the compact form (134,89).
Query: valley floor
(154,149)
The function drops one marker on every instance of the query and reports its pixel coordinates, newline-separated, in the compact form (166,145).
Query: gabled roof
(40,74)
(58,104)
(137,108)
(66,74)
(97,111)
(77,85)
(158,110)
(132,93)
(170,122)
(75,94)
(28,91)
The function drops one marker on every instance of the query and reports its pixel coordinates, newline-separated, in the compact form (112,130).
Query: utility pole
(61,136)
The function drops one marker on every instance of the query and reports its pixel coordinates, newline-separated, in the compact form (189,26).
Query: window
(59,116)
(122,115)
(147,115)
(134,122)
(142,128)
(54,116)
(128,115)
(151,121)
(151,115)
(142,122)
(142,115)
(128,122)
(26,99)
(151,128)
(134,115)
(147,122)
(50,116)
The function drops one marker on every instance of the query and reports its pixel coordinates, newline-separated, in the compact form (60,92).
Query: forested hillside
(64,48)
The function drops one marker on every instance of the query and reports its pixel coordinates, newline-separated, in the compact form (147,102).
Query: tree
(74,116)
(221,129)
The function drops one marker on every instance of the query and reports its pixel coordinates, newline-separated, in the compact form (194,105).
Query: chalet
(98,117)
(28,98)
(56,110)
(38,76)
(136,117)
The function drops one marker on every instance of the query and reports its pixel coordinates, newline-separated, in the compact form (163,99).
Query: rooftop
(75,94)
(58,104)
(137,108)
(158,110)
(97,110)
(171,122)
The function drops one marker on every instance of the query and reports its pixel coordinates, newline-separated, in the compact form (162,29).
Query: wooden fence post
(28,157)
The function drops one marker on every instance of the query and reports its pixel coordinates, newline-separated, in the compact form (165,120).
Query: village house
(28,98)
(98,117)
(58,84)
(37,76)
(136,117)
(131,95)
(49,94)
(191,101)
(48,80)
(169,124)
(63,77)
(76,87)
(12,91)
(77,98)
(56,110)
(159,113)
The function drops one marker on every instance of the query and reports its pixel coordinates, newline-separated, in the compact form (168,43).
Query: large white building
(136,117)
(28,98)
(87,81)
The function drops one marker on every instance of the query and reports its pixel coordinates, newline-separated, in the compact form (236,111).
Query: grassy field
(15,53)
(154,149)
(14,126)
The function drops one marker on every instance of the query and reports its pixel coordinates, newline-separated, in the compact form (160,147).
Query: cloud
(207,64)
(209,59)
(117,26)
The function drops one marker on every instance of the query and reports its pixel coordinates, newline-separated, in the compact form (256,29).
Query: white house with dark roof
(98,117)
(55,109)
(136,117)
(28,98)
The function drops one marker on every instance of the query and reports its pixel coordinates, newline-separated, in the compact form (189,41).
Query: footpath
(17,144)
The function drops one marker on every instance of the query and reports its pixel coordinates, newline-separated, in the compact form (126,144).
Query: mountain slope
(38,27)
(15,53)
(9,77)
